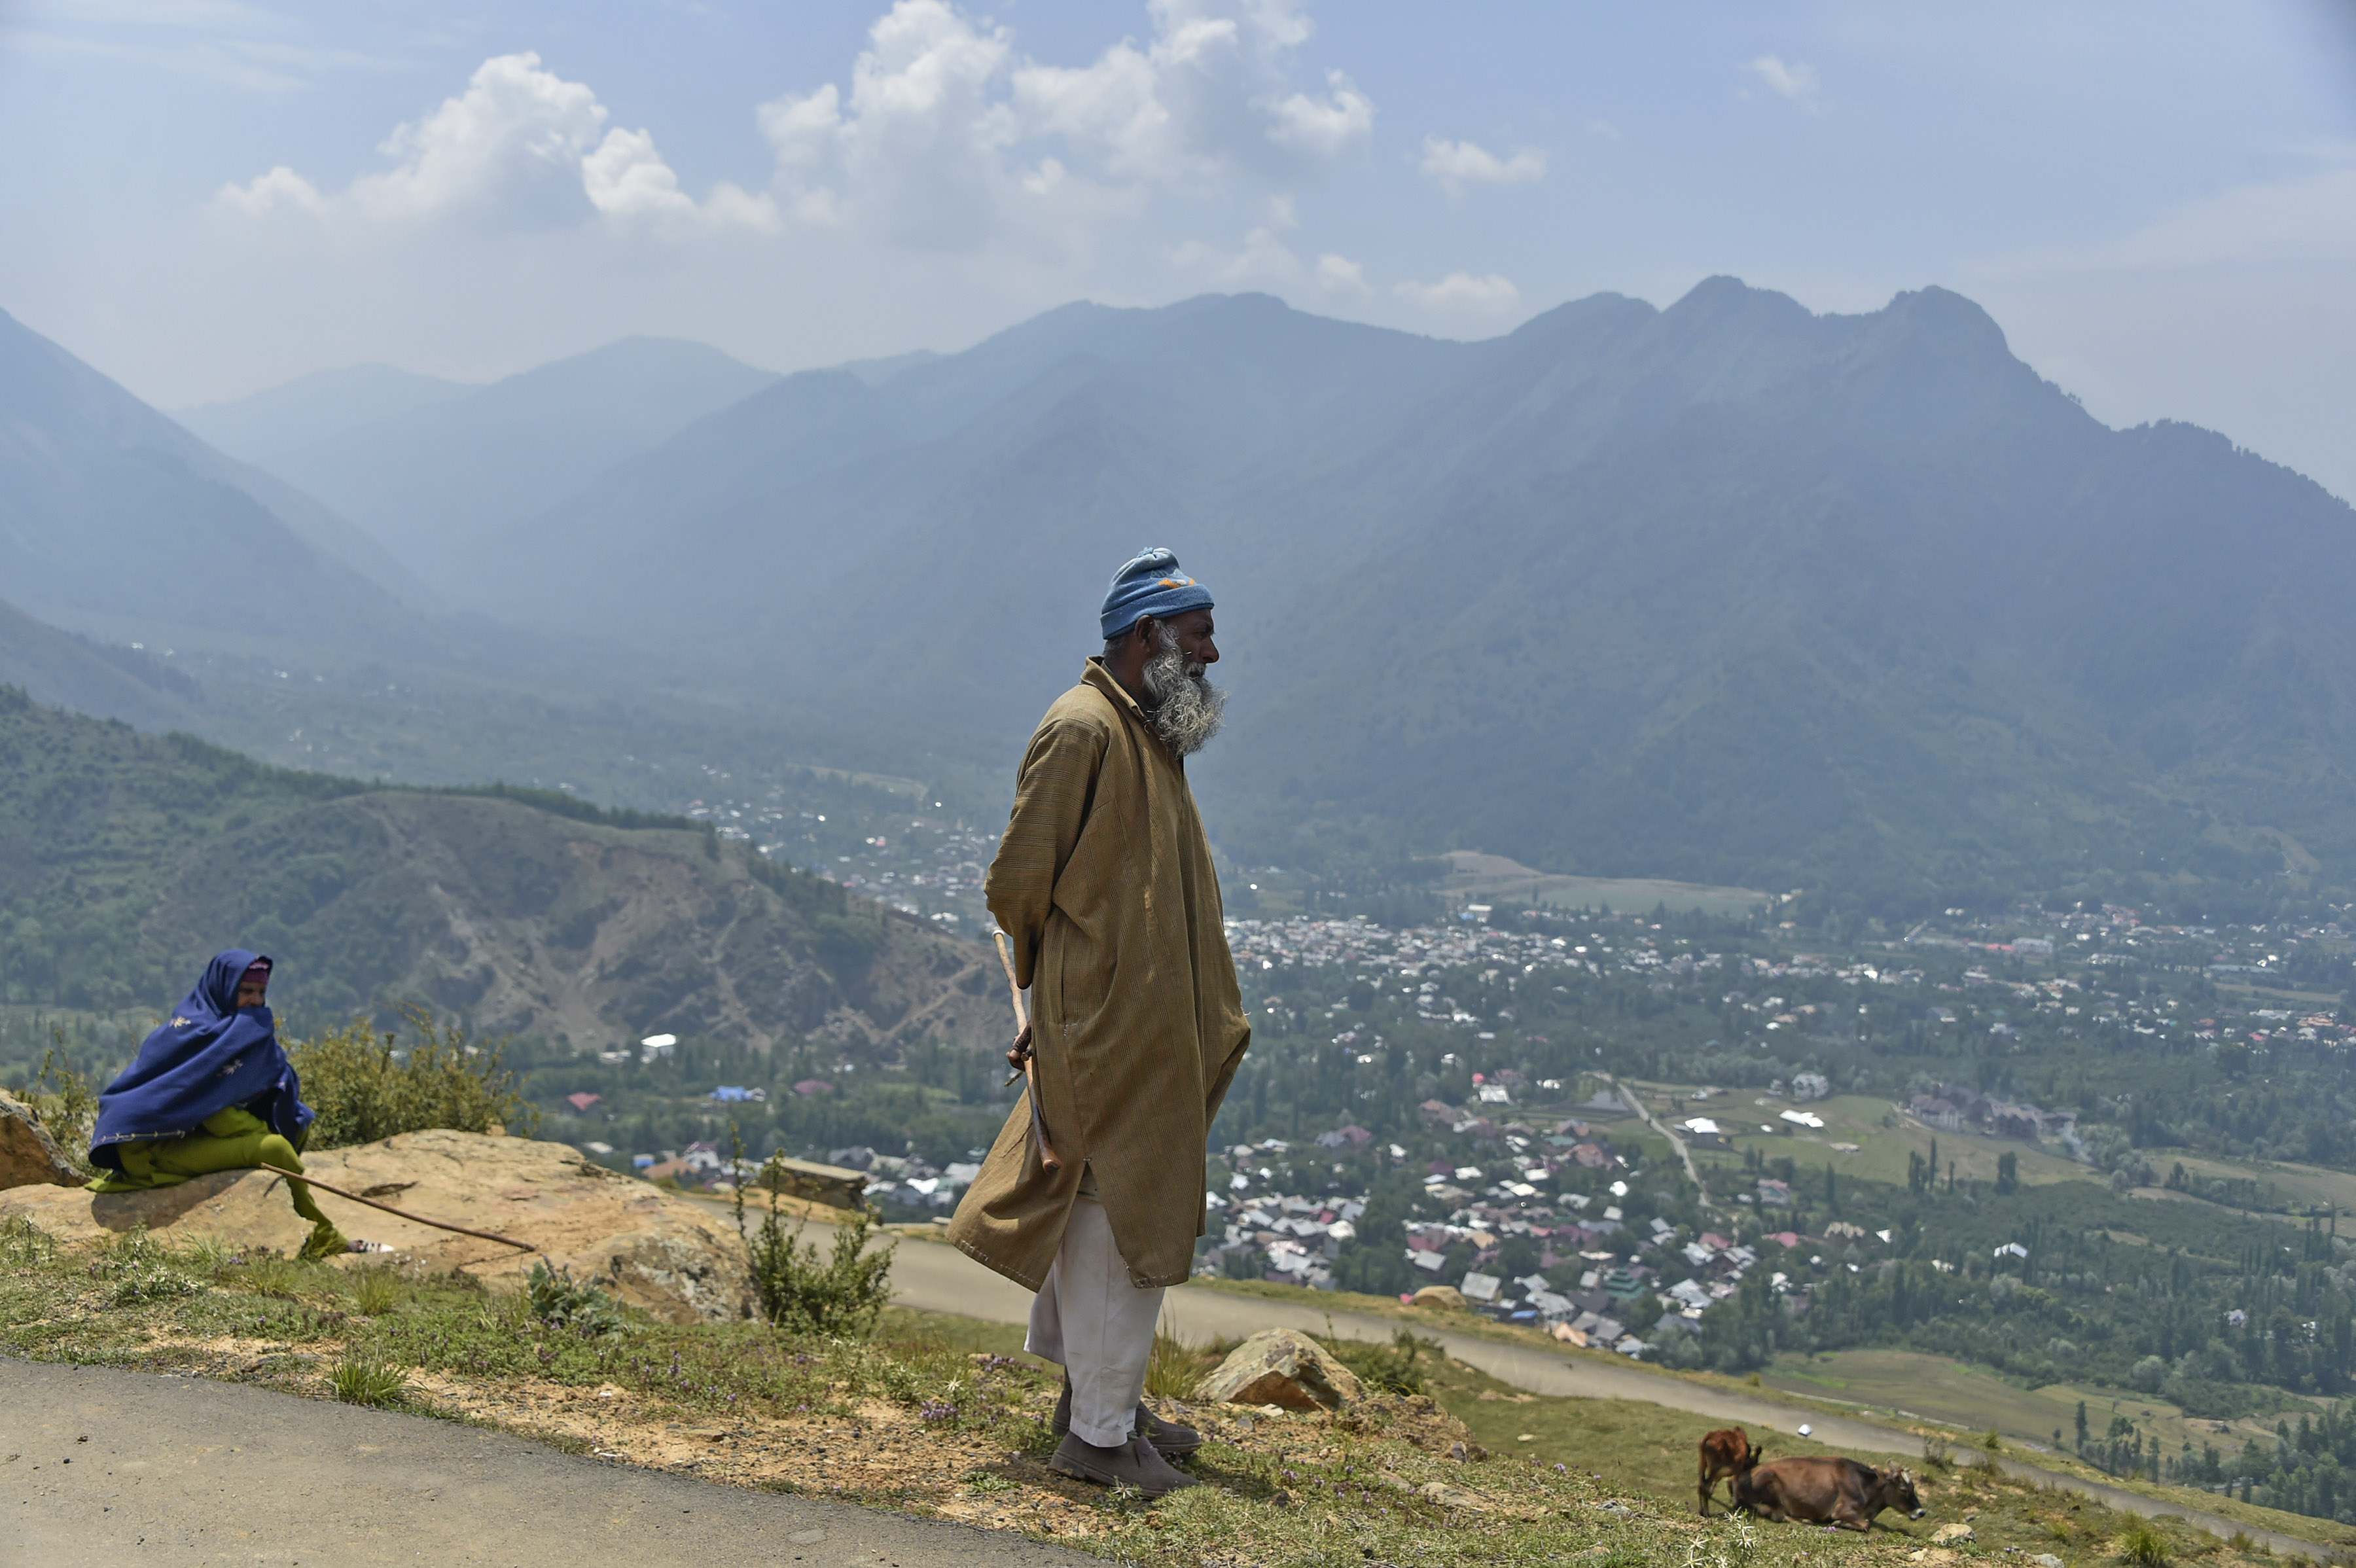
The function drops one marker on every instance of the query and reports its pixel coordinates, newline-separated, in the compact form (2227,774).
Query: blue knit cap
(1151,584)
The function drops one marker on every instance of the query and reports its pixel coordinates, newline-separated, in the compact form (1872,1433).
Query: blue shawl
(205,1058)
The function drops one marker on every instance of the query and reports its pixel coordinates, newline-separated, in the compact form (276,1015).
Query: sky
(205,198)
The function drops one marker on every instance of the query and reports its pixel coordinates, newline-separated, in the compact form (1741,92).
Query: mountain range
(1727,592)
(430,467)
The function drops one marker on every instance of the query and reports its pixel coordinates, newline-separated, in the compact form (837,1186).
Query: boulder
(667,1254)
(1951,1535)
(1282,1366)
(29,1156)
(1439,1296)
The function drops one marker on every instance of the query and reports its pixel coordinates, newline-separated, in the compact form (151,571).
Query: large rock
(29,1156)
(1282,1366)
(666,1253)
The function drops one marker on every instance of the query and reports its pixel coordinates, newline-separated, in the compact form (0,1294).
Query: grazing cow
(1725,1453)
(1826,1491)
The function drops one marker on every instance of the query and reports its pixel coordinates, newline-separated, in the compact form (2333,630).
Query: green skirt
(231,1139)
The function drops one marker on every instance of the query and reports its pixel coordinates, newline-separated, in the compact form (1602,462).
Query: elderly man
(1105,882)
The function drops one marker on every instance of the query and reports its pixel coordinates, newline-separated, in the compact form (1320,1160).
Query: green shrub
(2142,1544)
(375,1290)
(1171,1369)
(65,1103)
(1384,1368)
(364,1378)
(560,1303)
(139,1270)
(366,1086)
(843,1296)
(24,1244)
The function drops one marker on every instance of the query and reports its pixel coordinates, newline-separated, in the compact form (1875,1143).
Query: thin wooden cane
(413,1218)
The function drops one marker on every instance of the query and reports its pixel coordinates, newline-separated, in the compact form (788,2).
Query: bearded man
(1105,883)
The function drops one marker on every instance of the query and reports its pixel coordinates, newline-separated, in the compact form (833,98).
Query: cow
(1725,1453)
(1825,1491)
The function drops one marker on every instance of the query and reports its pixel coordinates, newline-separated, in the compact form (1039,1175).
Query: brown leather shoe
(1134,1464)
(1170,1440)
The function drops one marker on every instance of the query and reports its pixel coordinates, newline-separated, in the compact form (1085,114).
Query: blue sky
(208,197)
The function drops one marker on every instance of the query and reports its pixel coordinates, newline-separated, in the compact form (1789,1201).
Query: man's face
(1194,641)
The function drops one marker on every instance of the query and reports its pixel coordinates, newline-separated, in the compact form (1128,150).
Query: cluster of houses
(1957,1108)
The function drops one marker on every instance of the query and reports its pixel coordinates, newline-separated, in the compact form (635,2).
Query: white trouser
(1100,1328)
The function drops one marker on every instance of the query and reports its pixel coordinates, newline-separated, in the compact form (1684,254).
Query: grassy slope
(940,1416)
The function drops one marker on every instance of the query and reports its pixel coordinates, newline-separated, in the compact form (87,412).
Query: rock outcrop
(29,1156)
(1282,1366)
(652,1248)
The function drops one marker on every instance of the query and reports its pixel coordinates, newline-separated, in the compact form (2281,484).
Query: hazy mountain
(442,465)
(112,515)
(126,860)
(1727,592)
(271,426)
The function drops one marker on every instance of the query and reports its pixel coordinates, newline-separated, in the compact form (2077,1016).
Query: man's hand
(1021,1053)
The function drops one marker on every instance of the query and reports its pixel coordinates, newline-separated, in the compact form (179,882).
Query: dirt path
(103,1467)
(1693,1173)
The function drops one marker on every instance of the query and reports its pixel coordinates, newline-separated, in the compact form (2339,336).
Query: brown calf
(1826,1491)
(1725,1453)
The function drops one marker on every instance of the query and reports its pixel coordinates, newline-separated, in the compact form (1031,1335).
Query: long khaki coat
(1105,882)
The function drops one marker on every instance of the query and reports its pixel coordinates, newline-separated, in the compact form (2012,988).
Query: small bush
(267,1273)
(560,1303)
(366,1085)
(1171,1371)
(1992,1440)
(375,1290)
(1384,1368)
(363,1378)
(139,1270)
(65,1103)
(1938,1453)
(2142,1544)
(844,1295)
(24,1244)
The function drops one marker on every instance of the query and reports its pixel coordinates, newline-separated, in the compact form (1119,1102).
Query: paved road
(1693,1172)
(938,1278)
(116,1468)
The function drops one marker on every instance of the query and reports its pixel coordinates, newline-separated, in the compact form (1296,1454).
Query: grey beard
(1186,706)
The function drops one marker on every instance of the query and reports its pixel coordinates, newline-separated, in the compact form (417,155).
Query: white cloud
(522,147)
(1796,80)
(1324,127)
(944,136)
(948,134)
(1265,260)
(1462,293)
(1339,275)
(1456,165)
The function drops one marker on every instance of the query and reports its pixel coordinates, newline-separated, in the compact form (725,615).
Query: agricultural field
(1924,1388)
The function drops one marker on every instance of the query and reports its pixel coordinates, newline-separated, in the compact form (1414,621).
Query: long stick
(1048,1159)
(414,1219)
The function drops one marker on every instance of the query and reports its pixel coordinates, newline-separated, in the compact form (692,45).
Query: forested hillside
(126,860)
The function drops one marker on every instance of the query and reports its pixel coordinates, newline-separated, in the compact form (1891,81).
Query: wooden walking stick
(1024,1059)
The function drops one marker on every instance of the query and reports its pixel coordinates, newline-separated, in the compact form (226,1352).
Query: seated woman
(211,1090)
